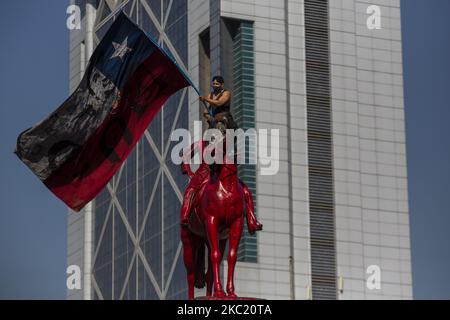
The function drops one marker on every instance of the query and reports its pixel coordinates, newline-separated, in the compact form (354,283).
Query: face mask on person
(216,90)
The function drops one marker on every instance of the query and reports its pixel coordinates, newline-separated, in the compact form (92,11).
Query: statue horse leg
(192,259)
(234,238)
(209,273)
(215,254)
(188,258)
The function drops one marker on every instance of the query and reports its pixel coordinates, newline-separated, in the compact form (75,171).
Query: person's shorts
(226,118)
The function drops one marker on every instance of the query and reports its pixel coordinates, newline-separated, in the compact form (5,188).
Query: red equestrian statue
(214,204)
(214,201)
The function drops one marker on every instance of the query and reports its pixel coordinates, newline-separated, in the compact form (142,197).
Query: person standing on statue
(219,101)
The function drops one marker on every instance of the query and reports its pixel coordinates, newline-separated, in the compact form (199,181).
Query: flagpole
(204,103)
(180,69)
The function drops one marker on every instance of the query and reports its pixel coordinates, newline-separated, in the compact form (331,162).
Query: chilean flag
(78,148)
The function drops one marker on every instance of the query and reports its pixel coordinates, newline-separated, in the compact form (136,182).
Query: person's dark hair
(219,79)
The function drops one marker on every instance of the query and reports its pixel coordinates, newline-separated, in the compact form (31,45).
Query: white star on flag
(121,49)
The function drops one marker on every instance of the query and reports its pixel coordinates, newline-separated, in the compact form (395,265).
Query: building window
(320,150)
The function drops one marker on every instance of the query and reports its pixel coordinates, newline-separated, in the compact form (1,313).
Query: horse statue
(217,216)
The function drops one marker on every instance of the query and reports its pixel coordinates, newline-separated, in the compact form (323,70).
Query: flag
(78,148)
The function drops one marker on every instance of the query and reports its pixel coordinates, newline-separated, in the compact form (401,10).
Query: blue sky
(426,54)
(34,81)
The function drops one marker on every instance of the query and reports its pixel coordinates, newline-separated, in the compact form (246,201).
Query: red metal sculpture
(212,213)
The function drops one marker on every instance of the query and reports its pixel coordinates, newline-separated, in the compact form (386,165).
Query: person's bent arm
(218,102)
